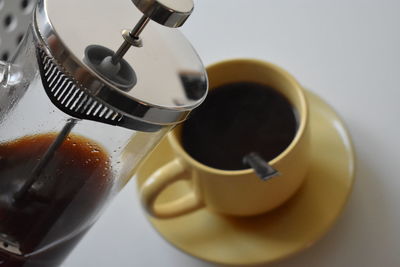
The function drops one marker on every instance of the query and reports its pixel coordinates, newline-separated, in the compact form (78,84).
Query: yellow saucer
(275,235)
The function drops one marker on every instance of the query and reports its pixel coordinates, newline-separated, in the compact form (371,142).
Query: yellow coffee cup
(235,192)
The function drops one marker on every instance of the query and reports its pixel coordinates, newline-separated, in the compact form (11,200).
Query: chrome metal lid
(170,78)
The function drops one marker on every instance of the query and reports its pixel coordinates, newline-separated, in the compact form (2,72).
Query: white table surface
(348,52)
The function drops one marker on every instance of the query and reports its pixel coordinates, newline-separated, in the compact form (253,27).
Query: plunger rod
(137,30)
(46,158)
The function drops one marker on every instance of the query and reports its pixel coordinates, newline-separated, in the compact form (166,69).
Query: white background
(346,51)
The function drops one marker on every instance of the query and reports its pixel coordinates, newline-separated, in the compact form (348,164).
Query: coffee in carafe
(78,173)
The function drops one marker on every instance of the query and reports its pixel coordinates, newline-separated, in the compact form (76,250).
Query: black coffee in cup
(237,119)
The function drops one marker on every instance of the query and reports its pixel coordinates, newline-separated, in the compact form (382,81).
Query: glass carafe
(58,171)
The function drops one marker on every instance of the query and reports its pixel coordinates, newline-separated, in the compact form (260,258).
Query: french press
(81,105)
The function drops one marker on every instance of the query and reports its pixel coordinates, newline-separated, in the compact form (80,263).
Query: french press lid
(114,62)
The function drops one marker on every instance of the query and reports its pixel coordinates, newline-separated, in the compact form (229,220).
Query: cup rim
(176,144)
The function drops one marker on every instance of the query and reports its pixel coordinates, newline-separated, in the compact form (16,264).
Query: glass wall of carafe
(47,202)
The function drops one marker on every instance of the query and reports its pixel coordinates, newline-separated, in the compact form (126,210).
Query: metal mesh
(69,97)
(74,100)
(15,16)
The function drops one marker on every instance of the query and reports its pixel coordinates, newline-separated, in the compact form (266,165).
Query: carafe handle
(14,81)
(4,70)
(11,74)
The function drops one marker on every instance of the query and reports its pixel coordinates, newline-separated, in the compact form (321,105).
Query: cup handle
(158,182)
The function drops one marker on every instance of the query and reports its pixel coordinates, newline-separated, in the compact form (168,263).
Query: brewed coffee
(237,119)
(59,206)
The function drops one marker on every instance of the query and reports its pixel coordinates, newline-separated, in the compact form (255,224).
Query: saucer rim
(344,133)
